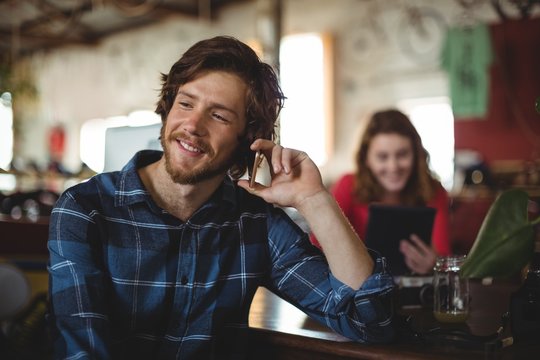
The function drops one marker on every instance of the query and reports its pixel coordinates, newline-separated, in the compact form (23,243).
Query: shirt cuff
(380,282)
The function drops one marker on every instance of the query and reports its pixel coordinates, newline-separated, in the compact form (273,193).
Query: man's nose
(195,123)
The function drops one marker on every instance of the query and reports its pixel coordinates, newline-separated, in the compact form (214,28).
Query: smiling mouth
(189,148)
(394,178)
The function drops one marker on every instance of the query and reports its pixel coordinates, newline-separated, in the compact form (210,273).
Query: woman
(392,169)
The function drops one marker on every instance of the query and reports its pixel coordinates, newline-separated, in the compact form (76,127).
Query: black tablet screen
(388,225)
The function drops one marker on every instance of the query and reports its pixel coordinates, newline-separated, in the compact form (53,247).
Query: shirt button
(184,280)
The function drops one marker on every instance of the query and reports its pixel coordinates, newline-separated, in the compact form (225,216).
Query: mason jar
(451,291)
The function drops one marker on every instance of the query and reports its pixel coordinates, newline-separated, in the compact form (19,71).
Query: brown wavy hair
(264,96)
(420,187)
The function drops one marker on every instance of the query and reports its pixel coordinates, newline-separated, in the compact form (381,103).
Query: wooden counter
(280,331)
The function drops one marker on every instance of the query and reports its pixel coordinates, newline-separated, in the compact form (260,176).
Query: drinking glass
(451,291)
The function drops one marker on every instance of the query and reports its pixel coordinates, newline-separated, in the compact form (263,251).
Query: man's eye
(219,117)
(185,104)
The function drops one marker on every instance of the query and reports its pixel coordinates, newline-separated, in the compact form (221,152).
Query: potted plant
(505,242)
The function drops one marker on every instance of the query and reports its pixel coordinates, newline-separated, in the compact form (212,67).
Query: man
(162,259)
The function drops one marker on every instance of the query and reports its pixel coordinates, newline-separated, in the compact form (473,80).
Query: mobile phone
(256,163)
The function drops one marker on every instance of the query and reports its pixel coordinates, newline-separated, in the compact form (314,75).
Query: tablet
(388,225)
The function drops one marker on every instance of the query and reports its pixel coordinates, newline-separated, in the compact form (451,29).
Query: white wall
(122,73)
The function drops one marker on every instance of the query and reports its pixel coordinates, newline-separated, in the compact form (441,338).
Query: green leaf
(505,241)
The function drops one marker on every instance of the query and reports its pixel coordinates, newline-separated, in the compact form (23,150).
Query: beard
(189,176)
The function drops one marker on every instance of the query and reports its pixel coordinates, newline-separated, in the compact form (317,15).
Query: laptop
(388,225)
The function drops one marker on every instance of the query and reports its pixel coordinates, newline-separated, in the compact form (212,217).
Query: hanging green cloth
(466,56)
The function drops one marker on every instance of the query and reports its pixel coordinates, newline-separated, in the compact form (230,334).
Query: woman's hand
(419,257)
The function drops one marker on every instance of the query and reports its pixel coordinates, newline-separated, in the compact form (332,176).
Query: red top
(357,213)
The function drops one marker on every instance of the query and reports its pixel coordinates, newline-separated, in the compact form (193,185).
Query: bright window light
(304,80)
(92,144)
(6,131)
(434,121)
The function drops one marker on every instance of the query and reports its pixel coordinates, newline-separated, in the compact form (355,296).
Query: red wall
(511,128)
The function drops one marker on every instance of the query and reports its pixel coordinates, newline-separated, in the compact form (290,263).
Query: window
(434,121)
(305,122)
(7,181)
(6,131)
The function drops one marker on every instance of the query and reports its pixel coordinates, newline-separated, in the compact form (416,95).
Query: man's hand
(295,177)
(296,182)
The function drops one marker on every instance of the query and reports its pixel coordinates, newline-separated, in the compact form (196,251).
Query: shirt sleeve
(343,193)
(441,229)
(300,275)
(77,315)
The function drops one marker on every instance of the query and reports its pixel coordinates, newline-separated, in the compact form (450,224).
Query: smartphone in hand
(256,163)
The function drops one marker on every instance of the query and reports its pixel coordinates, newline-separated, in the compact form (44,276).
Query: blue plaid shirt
(130,281)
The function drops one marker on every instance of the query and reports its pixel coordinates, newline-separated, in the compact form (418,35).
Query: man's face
(200,136)
(390,158)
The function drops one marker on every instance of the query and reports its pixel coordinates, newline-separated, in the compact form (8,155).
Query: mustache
(203,146)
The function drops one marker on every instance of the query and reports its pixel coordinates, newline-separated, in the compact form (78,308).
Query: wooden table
(280,331)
